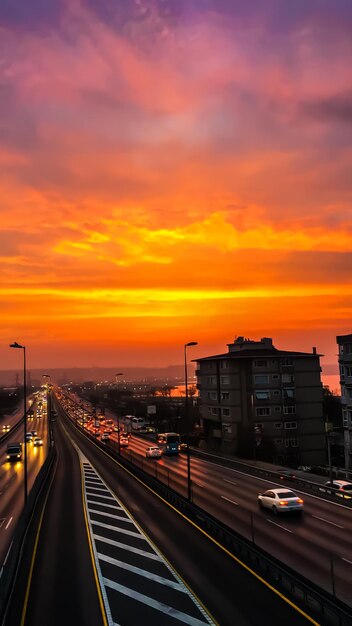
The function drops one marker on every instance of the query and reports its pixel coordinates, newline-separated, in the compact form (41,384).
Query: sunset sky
(173,171)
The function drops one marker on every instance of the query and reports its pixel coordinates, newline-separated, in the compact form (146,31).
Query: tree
(332,407)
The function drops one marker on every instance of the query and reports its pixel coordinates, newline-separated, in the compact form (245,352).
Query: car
(96,433)
(280,501)
(153,452)
(108,430)
(343,487)
(105,437)
(6,428)
(287,475)
(183,447)
(29,437)
(123,442)
(14,452)
(38,441)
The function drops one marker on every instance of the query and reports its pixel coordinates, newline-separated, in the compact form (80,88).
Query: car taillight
(283,503)
(300,501)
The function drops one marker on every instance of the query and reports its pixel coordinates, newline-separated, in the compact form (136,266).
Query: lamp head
(191,343)
(16,345)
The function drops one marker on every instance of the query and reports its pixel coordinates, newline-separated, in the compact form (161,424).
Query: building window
(290,425)
(286,362)
(348,370)
(275,376)
(212,395)
(261,363)
(287,378)
(288,393)
(276,392)
(213,410)
(224,365)
(263,410)
(225,395)
(226,412)
(261,379)
(225,380)
(277,409)
(211,380)
(279,442)
(262,395)
(291,442)
(289,410)
(278,425)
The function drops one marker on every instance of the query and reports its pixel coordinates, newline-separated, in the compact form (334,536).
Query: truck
(14,452)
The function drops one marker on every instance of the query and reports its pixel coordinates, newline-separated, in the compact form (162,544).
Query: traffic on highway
(306,532)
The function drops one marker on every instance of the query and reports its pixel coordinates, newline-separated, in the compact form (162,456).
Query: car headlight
(7,456)
(18,456)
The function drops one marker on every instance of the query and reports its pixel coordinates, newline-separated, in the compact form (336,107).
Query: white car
(280,501)
(153,452)
(105,436)
(343,487)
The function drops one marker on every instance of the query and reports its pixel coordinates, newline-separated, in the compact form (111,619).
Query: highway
(312,544)
(132,532)
(12,474)
(316,544)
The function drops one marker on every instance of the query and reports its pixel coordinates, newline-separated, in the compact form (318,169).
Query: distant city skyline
(173,172)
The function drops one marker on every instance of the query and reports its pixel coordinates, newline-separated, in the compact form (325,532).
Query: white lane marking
(2,522)
(228,500)
(232,482)
(98,495)
(117,529)
(271,482)
(91,488)
(8,523)
(118,517)
(159,606)
(347,561)
(199,484)
(322,519)
(124,546)
(279,525)
(142,572)
(109,506)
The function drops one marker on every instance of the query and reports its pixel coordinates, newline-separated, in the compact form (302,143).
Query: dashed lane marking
(279,525)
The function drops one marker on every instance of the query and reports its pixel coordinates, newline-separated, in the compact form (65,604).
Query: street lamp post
(17,345)
(48,407)
(118,419)
(189,490)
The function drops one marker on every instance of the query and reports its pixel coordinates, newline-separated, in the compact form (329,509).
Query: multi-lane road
(12,475)
(316,544)
(109,551)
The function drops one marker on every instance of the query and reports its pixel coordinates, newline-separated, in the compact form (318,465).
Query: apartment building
(344,343)
(258,392)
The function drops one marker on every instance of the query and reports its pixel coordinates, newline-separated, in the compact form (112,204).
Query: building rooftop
(250,354)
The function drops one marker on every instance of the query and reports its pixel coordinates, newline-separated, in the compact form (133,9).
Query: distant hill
(82,374)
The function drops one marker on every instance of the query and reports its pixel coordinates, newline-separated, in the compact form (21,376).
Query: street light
(187,345)
(118,419)
(18,345)
(48,407)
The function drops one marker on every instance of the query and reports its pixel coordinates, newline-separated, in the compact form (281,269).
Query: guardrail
(319,604)
(9,569)
(307,486)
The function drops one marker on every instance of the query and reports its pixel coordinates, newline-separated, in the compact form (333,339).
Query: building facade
(257,394)
(344,343)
